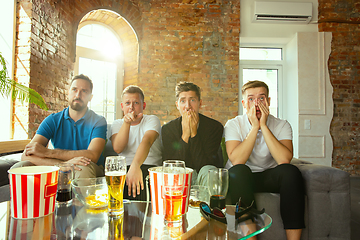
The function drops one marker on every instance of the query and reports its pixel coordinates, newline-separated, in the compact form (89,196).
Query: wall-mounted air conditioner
(282,12)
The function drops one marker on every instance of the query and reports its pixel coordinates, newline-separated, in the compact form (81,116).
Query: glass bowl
(198,194)
(91,192)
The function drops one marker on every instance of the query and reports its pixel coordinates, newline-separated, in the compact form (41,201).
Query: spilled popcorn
(97,200)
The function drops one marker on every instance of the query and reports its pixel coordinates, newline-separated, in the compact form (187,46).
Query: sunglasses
(215,213)
(243,214)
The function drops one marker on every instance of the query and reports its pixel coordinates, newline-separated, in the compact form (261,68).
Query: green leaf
(8,87)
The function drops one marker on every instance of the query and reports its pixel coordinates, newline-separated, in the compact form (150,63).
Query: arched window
(99,56)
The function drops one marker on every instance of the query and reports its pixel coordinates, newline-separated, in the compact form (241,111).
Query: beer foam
(115,173)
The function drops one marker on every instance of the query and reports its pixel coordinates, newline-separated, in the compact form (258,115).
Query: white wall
(291,90)
(315,97)
(272,33)
(307,89)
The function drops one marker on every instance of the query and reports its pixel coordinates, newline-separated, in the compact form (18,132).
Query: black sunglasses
(250,212)
(215,213)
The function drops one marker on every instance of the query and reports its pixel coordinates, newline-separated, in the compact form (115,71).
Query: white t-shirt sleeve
(152,123)
(115,126)
(232,130)
(284,131)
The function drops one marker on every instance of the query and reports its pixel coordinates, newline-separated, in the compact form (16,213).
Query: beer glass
(174,173)
(218,183)
(115,174)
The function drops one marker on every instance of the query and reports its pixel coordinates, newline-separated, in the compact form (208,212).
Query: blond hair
(254,84)
(133,89)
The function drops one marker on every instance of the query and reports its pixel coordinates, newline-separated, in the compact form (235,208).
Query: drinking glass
(218,183)
(115,174)
(66,175)
(198,194)
(174,173)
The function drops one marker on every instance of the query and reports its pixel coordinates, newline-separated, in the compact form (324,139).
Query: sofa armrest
(328,200)
(6,163)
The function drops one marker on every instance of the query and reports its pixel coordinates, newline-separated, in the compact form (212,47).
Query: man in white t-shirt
(259,147)
(136,136)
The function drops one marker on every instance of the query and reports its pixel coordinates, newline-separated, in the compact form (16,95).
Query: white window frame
(263,64)
(96,55)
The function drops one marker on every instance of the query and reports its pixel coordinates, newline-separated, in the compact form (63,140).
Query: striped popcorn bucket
(157,197)
(33,191)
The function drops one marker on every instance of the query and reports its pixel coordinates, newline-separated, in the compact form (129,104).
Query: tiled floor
(355,207)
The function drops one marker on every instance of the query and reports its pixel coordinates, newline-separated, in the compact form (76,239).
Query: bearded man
(77,134)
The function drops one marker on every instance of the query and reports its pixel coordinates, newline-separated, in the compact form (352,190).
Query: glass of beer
(174,173)
(115,174)
(218,183)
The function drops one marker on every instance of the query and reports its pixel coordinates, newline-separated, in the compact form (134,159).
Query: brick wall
(196,41)
(342,18)
(45,53)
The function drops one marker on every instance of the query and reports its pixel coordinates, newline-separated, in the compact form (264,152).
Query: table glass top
(137,222)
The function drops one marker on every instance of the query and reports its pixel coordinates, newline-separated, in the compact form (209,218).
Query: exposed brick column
(342,18)
(22,67)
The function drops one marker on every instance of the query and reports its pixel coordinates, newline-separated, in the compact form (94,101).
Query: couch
(5,164)
(327,204)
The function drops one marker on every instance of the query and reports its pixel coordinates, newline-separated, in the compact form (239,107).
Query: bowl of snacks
(91,192)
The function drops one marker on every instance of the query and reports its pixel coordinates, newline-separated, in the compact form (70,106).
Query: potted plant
(9,87)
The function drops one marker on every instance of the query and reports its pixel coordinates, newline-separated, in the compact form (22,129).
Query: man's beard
(77,106)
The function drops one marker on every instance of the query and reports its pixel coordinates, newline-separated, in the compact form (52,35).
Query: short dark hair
(254,84)
(83,77)
(185,87)
(133,89)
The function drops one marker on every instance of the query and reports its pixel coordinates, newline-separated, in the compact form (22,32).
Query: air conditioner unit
(283,12)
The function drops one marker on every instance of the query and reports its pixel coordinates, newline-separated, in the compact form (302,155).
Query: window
(99,56)
(6,48)
(103,75)
(264,64)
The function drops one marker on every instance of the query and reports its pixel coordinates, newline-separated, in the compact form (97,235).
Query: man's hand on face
(194,121)
(251,113)
(264,112)
(134,180)
(132,117)
(185,124)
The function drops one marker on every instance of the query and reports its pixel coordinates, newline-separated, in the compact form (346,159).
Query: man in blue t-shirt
(77,134)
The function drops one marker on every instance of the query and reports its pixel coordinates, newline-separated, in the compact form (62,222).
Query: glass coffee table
(137,222)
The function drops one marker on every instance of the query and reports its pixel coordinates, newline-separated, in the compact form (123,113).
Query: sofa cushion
(5,164)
